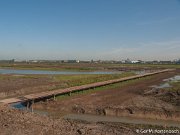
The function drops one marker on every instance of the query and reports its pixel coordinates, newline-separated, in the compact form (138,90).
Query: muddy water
(166,83)
(163,85)
(130,120)
(174,79)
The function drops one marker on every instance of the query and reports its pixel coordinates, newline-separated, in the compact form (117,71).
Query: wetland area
(115,109)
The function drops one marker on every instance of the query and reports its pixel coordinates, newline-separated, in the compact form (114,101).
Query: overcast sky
(90,29)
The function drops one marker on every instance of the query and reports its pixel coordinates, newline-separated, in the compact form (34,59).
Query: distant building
(85,61)
(70,61)
(177,61)
(165,62)
(127,61)
(135,61)
(7,61)
(34,61)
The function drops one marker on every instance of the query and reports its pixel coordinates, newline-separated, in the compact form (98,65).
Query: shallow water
(18,71)
(19,106)
(166,83)
(174,79)
(23,107)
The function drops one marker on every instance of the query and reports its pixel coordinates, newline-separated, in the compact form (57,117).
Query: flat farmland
(85,66)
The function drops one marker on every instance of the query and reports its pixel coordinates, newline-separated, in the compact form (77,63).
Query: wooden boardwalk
(49,94)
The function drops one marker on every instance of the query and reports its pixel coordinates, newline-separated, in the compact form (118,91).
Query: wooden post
(46,100)
(32,102)
(54,97)
(27,106)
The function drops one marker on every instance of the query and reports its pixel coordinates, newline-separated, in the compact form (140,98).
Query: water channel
(47,72)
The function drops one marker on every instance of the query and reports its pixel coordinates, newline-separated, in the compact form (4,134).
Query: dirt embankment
(15,122)
(170,96)
(128,100)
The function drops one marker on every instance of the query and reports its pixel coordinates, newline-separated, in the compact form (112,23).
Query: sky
(90,29)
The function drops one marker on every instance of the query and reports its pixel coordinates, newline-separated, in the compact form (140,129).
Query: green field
(59,81)
(77,80)
(111,86)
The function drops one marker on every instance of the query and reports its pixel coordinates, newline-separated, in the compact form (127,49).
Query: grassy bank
(77,80)
(53,82)
(111,86)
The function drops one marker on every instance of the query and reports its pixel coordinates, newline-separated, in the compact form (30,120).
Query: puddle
(166,83)
(19,106)
(173,79)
